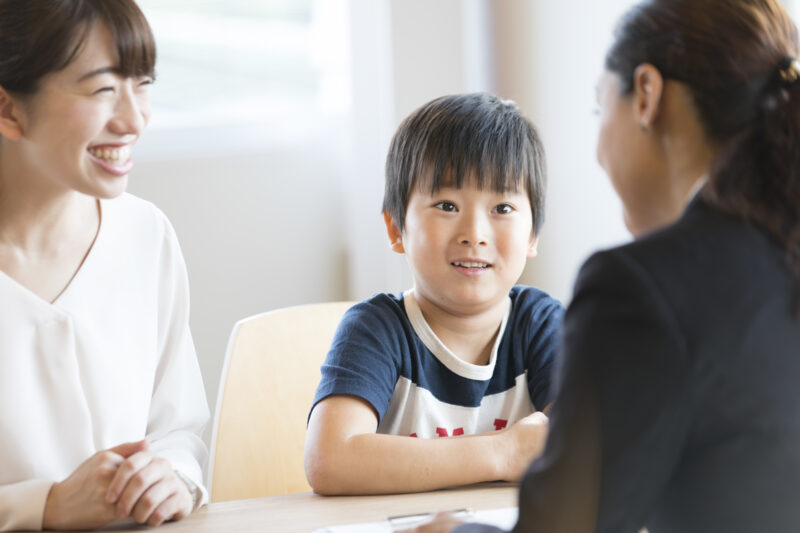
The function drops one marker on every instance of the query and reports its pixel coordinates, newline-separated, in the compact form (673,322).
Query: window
(247,63)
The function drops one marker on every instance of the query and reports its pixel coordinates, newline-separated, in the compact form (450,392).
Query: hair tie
(779,90)
(789,70)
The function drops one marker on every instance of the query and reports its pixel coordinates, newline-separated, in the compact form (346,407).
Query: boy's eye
(146,81)
(103,90)
(503,209)
(450,207)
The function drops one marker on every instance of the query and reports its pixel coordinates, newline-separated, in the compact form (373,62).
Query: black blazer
(678,406)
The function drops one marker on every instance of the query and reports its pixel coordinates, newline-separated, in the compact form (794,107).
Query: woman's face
(628,154)
(79,128)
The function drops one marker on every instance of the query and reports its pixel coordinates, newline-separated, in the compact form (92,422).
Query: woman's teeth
(114,156)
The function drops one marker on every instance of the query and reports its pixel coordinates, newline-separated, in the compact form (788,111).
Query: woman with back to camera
(679,408)
(101,399)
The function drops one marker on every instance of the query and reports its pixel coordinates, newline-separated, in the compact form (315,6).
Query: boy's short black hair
(464,137)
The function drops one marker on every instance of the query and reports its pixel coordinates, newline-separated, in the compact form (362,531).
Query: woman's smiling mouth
(115,160)
(114,155)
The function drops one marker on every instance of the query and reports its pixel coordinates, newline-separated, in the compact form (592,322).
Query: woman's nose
(130,113)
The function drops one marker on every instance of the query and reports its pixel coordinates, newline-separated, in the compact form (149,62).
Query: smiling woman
(83,120)
(94,340)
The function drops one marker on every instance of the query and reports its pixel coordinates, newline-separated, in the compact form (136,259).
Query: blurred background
(271,120)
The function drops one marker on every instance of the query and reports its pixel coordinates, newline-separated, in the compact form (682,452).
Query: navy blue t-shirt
(385,352)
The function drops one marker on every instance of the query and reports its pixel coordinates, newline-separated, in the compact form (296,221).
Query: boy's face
(466,247)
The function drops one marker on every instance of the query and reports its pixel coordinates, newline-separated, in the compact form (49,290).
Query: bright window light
(239,62)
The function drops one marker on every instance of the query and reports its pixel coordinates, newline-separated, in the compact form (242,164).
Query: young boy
(462,361)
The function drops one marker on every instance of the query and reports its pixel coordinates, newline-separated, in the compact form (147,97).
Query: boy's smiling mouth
(470,264)
(471,267)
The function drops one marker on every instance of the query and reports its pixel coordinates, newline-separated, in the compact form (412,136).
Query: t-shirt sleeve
(622,407)
(542,320)
(365,355)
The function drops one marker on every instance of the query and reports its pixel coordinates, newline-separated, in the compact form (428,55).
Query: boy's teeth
(112,155)
(470,264)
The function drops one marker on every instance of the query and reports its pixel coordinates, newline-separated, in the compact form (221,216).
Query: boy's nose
(473,230)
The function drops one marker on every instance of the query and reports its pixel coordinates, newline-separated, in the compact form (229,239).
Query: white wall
(550,55)
(258,231)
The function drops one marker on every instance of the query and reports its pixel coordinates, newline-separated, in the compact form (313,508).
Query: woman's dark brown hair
(38,37)
(735,56)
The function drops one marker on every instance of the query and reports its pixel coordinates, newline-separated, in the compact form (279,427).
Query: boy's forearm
(375,463)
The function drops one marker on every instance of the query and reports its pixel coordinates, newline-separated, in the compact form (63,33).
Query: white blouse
(111,361)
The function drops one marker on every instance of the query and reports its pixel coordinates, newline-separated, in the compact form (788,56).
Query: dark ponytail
(737,57)
(757,174)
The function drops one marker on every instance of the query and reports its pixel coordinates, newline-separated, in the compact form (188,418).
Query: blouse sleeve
(22,505)
(179,409)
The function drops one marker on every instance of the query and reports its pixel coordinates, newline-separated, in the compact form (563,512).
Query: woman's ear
(10,117)
(648,87)
(394,233)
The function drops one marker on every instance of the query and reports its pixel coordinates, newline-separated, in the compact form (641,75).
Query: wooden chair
(267,385)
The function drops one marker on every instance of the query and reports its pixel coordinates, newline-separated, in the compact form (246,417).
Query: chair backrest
(271,370)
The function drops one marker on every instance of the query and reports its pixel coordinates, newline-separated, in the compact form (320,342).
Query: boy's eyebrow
(97,72)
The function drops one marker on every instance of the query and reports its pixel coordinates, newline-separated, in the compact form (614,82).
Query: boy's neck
(470,337)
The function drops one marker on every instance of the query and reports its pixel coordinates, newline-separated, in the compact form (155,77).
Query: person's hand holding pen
(443,522)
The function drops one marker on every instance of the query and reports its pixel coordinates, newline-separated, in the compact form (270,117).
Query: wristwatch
(194,492)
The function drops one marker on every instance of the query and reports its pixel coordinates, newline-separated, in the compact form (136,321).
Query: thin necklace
(88,250)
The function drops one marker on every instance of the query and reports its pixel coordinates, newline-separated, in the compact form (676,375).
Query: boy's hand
(79,501)
(525,442)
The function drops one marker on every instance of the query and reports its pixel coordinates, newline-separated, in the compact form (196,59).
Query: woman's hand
(79,501)
(146,488)
(525,441)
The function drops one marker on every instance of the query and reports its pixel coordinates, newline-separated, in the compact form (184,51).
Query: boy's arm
(344,455)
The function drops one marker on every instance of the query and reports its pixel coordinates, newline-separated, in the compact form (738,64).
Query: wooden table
(306,512)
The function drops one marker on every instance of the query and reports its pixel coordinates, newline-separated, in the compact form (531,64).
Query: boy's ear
(648,86)
(394,233)
(533,247)
(10,117)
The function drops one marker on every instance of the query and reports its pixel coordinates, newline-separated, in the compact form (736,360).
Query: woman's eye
(446,206)
(503,209)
